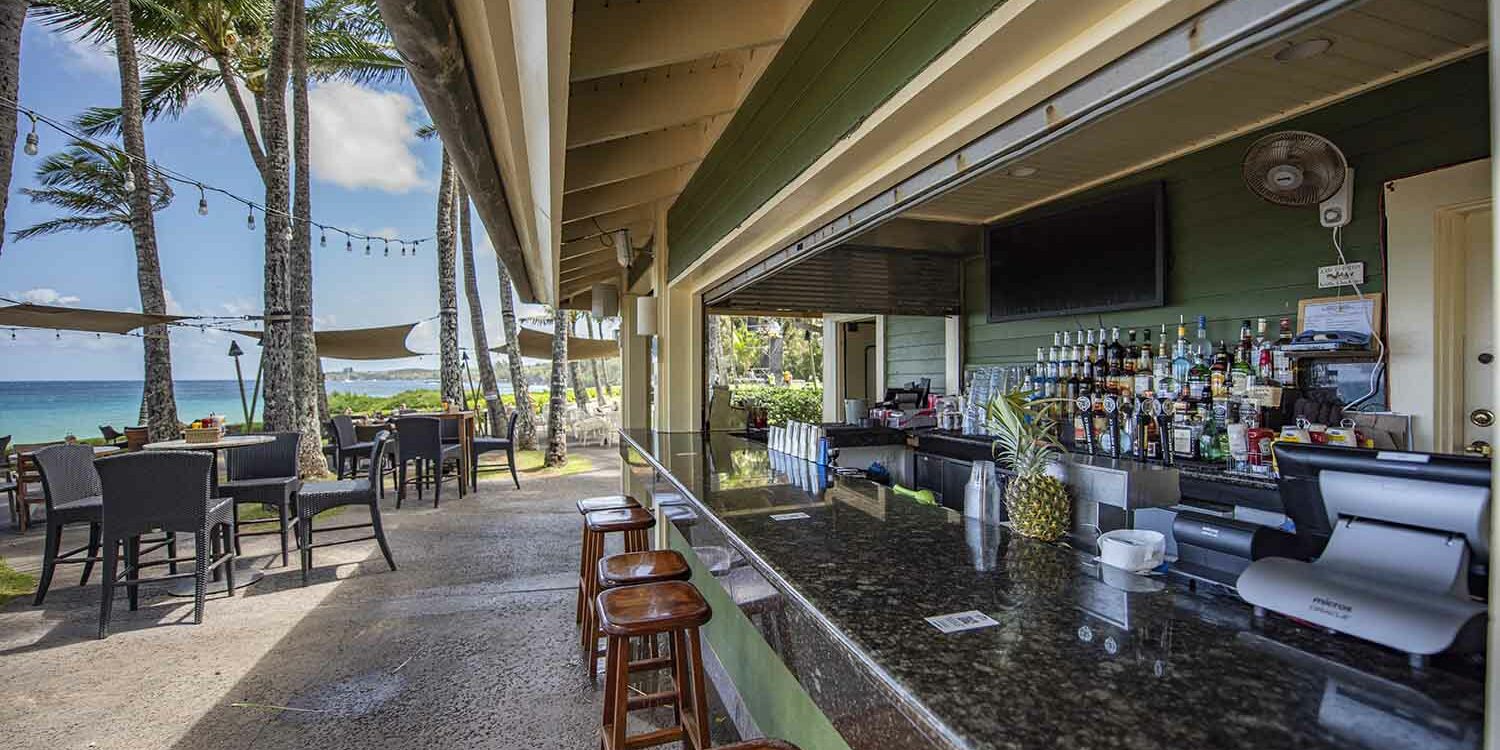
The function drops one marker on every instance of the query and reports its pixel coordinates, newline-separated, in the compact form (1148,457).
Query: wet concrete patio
(469,644)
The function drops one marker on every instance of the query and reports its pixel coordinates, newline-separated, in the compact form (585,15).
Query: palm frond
(88,183)
(428,132)
(155,22)
(68,224)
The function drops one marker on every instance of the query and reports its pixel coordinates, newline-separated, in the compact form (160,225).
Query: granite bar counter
(1081,657)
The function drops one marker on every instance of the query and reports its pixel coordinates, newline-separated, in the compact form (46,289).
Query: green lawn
(14,583)
(530,462)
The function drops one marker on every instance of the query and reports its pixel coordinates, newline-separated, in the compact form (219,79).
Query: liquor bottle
(1265,367)
(1182,362)
(1282,362)
(1052,366)
(1205,347)
(1143,365)
(1116,358)
(1101,364)
(1218,373)
(1088,358)
(1039,375)
(1162,369)
(1127,365)
(1208,437)
(1242,372)
(1148,441)
(1184,435)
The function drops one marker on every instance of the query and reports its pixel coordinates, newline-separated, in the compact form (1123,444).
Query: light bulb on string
(322,237)
(403,249)
(250,219)
(387,248)
(348,244)
(33,144)
(367,246)
(202,201)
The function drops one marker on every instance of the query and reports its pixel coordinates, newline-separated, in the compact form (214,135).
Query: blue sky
(370,174)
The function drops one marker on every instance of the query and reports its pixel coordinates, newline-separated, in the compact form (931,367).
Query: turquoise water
(43,410)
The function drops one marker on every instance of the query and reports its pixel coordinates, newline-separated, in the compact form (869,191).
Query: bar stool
(671,608)
(585,565)
(635,524)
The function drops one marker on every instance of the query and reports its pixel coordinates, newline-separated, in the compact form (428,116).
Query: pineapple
(1026,444)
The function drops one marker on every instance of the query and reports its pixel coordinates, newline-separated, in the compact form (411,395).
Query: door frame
(1424,238)
(834,364)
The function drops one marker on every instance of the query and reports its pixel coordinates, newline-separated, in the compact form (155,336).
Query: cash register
(1398,543)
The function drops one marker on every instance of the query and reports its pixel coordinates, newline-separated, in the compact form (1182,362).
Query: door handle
(1478,448)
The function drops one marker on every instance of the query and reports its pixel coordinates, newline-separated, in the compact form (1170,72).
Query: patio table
(465,438)
(242,578)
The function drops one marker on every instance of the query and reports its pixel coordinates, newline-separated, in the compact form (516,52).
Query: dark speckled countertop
(1077,661)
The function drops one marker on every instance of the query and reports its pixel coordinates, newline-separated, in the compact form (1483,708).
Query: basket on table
(198,435)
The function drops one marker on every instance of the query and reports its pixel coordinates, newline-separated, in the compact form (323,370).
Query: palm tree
(161,404)
(12,16)
(599,380)
(526,418)
(309,399)
(450,373)
(276,356)
(557,437)
(89,183)
(580,396)
(476,316)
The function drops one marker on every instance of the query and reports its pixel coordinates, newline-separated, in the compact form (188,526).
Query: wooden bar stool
(634,569)
(635,524)
(671,608)
(585,565)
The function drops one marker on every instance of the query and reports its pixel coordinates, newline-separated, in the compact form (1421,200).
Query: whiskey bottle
(1218,373)
(1143,365)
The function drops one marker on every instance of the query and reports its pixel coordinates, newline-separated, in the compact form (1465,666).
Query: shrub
(783,403)
(426,399)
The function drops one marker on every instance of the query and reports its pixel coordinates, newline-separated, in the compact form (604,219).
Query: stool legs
(636,540)
(687,697)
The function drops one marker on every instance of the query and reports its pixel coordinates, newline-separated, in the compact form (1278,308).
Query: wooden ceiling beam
(636,156)
(658,101)
(624,37)
(617,196)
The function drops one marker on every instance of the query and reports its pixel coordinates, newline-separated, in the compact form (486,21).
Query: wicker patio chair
(167,490)
(347,448)
(265,474)
(420,440)
(482,445)
(70,488)
(317,497)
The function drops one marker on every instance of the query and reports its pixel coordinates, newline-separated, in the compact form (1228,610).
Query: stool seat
(759,745)
(623,519)
(634,568)
(652,608)
(607,502)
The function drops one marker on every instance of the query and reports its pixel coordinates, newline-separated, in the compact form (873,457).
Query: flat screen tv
(1104,254)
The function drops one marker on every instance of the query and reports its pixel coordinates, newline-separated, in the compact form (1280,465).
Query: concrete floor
(470,644)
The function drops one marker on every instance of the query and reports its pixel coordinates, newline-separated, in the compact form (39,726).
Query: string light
(387,248)
(33,145)
(348,243)
(403,249)
(367,246)
(322,237)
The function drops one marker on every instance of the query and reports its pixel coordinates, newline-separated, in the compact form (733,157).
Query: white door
(1479,341)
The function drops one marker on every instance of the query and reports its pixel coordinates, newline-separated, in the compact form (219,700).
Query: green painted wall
(914,349)
(841,62)
(1233,256)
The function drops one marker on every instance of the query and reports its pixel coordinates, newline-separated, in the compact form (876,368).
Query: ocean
(44,410)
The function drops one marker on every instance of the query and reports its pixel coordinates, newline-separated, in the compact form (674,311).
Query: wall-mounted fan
(1297,168)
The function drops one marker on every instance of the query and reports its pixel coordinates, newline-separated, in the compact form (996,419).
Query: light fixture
(1303,50)
(367,246)
(1027,171)
(645,316)
(33,144)
(202,202)
(322,237)
(387,248)
(250,219)
(348,244)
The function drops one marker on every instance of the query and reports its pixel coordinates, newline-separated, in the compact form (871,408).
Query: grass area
(530,463)
(258,512)
(14,583)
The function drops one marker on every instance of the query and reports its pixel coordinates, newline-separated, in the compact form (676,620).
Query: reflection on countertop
(1083,656)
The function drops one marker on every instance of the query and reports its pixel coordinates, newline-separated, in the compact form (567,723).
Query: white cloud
(363,138)
(360,137)
(45,296)
(84,57)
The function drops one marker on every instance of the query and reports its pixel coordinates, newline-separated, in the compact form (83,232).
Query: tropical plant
(89,183)
(782,404)
(526,420)
(557,437)
(158,400)
(496,410)
(1026,444)
(12,16)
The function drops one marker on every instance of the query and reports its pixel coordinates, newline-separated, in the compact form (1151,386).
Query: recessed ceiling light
(1303,50)
(1023,171)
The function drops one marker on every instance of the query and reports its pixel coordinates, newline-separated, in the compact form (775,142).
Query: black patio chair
(347,447)
(70,487)
(111,435)
(420,440)
(482,445)
(167,490)
(317,497)
(265,474)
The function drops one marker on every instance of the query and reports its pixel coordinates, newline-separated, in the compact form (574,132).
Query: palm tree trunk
(526,419)
(557,436)
(580,396)
(449,368)
(161,405)
(476,317)
(241,112)
(12,16)
(280,388)
(307,375)
(599,380)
